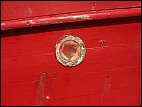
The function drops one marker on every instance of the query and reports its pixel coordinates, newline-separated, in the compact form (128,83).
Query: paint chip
(30,22)
(47,97)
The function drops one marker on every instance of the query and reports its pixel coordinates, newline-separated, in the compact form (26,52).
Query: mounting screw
(102,41)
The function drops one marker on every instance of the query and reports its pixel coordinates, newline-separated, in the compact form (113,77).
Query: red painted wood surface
(16,10)
(66,18)
(108,75)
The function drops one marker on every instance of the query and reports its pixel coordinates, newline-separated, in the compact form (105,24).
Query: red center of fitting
(70,50)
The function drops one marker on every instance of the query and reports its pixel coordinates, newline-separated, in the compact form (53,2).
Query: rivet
(102,41)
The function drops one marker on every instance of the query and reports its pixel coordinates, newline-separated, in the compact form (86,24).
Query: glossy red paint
(22,9)
(66,18)
(108,75)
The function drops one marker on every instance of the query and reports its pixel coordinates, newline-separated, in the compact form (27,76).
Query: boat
(70,53)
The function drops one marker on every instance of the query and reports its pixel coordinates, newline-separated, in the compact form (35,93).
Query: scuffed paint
(30,22)
(66,18)
(28,12)
(108,14)
(76,17)
(2,24)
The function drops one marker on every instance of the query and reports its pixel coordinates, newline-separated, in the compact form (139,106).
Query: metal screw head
(102,41)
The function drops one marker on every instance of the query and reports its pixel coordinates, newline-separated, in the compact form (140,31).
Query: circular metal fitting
(70,51)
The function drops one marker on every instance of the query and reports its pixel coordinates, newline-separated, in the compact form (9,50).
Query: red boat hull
(108,75)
